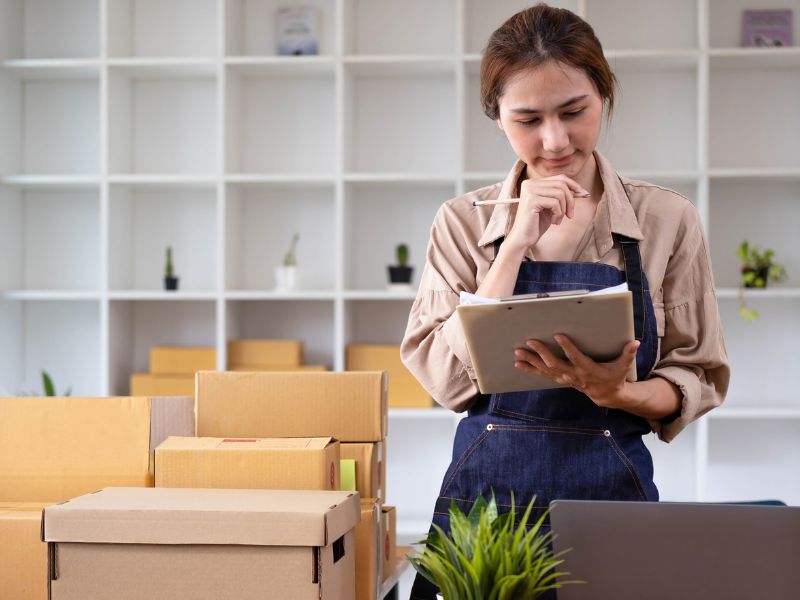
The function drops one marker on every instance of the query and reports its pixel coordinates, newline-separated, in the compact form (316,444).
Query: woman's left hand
(601,382)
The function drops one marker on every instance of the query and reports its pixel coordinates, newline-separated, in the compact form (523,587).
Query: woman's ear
(500,124)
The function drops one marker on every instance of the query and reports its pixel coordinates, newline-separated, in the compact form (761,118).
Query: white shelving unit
(130,125)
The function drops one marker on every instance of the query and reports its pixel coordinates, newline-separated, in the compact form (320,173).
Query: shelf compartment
(645,97)
(658,24)
(50,239)
(481,18)
(280,124)
(402,123)
(160,124)
(311,321)
(144,220)
(136,326)
(765,213)
(157,28)
(378,217)
(260,222)
(46,29)
(760,345)
(725,19)
(737,140)
(753,460)
(60,337)
(389,27)
(754,58)
(251,26)
(376,322)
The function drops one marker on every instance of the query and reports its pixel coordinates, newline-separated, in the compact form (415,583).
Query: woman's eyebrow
(526,111)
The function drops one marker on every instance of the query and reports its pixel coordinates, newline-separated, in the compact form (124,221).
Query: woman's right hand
(543,202)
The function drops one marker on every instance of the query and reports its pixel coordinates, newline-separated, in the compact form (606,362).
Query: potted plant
(170,281)
(49,387)
(286,273)
(758,270)
(400,274)
(488,556)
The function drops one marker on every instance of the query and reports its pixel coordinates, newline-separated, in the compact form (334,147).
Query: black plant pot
(762,273)
(171,283)
(400,274)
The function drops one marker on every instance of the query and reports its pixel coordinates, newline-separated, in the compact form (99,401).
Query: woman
(578,225)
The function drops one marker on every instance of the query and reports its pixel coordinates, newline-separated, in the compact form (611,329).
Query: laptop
(677,551)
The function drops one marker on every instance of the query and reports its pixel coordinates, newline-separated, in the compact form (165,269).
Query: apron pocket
(542,406)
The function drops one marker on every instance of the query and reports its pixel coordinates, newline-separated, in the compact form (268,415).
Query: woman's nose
(554,136)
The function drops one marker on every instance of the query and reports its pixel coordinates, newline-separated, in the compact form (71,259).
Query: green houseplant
(758,270)
(400,274)
(488,556)
(286,272)
(50,388)
(170,281)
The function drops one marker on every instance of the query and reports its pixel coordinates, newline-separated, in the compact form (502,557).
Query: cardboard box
(404,389)
(348,406)
(370,467)
(172,360)
(52,449)
(368,550)
(23,555)
(265,352)
(389,531)
(188,544)
(250,463)
(277,367)
(147,384)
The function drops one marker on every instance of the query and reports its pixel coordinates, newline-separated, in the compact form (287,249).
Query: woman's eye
(573,113)
(530,122)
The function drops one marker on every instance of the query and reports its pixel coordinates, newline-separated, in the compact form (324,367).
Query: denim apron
(556,443)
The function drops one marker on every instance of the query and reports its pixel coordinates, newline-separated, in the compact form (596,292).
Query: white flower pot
(285,278)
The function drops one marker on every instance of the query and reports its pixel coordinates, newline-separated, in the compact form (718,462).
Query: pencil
(512,200)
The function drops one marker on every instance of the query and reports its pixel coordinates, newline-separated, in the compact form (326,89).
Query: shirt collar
(614,212)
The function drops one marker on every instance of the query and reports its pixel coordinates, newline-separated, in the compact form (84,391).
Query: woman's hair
(537,35)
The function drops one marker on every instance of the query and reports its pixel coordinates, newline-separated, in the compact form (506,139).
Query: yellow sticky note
(347,474)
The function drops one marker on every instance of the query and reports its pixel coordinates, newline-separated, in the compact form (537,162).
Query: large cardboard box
(147,384)
(188,544)
(265,352)
(250,463)
(348,406)
(23,555)
(370,467)
(171,360)
(389,542)
(368,550)
(404,389)
(52,449)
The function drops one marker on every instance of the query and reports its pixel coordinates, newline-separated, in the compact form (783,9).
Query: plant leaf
(47,383)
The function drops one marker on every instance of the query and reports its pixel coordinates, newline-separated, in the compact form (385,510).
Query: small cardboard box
(23,556)
(147,384)
(190,544)
(389,530)
(172,360)
(370,467)
(249,463)
(237,367)
(52,449)
(404,390)
(265,352)
(368,550)
(348,406)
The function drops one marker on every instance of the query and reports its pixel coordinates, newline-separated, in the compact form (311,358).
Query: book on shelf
(767,28)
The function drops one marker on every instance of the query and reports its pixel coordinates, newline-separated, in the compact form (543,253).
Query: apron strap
(633,275)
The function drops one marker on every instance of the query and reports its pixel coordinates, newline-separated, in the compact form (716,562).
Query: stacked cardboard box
(172,370)
(268,355)
(404,390)
(350,407)
(52,449)
(186,544)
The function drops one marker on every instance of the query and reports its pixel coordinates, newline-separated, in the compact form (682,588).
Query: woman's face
(551,116)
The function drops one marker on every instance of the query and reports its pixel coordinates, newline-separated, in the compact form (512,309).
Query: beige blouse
(675,259)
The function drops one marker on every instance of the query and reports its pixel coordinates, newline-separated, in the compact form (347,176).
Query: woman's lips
(558,162)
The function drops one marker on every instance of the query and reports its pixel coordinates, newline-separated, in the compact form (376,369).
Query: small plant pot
(400,274)
(285,278)
(762,274)
(170,283)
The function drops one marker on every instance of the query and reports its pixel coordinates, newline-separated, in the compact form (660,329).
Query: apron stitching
(502,411)
(575,430)
(621,455)
(467,453)
(497,503)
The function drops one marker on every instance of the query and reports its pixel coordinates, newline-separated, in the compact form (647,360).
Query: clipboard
(600,325)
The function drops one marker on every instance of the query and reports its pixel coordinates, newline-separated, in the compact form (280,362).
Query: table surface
(400,566)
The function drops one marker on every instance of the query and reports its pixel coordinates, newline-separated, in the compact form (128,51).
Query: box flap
(209,443)
(203,516)
(56,448)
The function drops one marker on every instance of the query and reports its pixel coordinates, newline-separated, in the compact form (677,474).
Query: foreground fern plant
(487,557)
